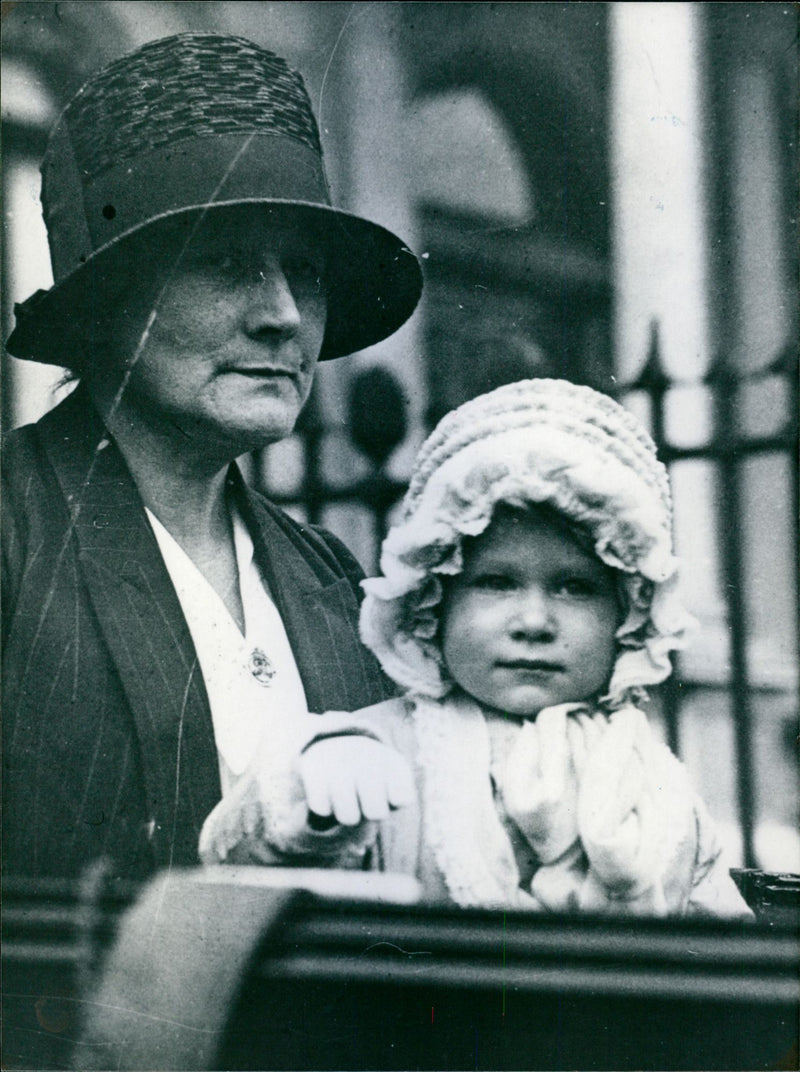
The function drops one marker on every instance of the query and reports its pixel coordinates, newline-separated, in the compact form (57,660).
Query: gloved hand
(354,778)
(269,814)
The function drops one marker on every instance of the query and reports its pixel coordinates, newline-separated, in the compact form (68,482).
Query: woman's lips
(264,373)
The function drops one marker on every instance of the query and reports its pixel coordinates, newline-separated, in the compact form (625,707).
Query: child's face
(530,621)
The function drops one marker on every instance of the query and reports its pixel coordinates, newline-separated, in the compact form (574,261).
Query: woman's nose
(533,616)
(271,307)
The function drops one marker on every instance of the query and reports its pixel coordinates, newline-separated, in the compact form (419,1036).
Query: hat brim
(374,283)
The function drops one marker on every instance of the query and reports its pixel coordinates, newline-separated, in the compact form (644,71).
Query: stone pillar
(368,82)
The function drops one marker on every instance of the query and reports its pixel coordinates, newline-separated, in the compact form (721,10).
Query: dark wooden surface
(351,984)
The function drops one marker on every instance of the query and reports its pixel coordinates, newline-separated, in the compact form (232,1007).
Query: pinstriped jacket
(108,747)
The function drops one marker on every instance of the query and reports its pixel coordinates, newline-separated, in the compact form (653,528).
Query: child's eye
(493,582)
(577,587)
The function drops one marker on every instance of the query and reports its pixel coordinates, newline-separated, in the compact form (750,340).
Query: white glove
(354,778)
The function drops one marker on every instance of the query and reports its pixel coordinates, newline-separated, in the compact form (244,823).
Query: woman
(160,617)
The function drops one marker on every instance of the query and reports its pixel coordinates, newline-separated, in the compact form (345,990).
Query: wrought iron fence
(729,447)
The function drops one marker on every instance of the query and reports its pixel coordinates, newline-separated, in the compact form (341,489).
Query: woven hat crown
(187,86)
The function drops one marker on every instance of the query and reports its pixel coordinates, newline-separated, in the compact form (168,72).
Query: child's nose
(533,616)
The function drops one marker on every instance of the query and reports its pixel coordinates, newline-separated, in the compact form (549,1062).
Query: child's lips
(537,666)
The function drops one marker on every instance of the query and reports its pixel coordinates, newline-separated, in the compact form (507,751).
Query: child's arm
(613,819)
(650,842)
(314,796)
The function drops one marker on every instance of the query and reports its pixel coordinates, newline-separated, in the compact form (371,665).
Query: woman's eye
(221,263)
(303,270)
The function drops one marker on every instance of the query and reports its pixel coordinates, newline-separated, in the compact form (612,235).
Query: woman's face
(221,343)
(531,620)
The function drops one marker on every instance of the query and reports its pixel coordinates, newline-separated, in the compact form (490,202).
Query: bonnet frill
(535,441)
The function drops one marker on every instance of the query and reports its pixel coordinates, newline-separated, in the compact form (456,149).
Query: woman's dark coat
(108,746)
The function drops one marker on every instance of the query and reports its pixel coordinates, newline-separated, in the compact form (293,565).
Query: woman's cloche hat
(186,124)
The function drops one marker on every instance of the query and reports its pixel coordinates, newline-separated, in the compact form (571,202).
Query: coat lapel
(319,608)
(144,628)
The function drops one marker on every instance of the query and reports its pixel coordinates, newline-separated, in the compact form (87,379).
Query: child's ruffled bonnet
(536,441)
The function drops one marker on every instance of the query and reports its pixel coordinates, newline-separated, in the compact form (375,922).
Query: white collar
(252,680)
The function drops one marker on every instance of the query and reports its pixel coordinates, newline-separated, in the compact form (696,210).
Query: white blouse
(252,680)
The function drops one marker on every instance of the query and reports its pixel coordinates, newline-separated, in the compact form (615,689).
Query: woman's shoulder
(21,453)
(70,430)
(27,474)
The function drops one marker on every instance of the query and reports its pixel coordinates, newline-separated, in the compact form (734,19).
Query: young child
(528,596)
